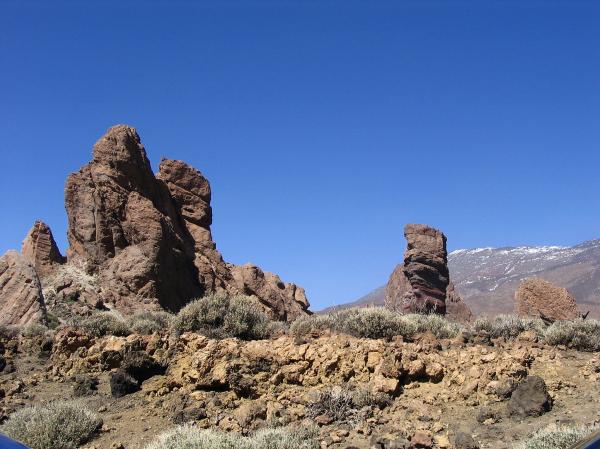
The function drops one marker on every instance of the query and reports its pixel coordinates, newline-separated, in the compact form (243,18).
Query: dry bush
(104,323)
(375,322)
(557,437)
(220,316)
(344,403)
(35,330)
(583,335)
(147,323)
(508,326)
(189,437)
(57,425)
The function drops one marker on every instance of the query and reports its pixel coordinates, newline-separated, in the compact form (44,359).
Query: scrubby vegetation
(376,323)
(583,335)
(34,330)
(508,326)
(189,437)
(557,437)
(57,425)
(147,323)
(341,403)
(220,316)
(105,323)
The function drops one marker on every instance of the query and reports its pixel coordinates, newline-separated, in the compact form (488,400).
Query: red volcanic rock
(147,239)
(421,284)
(123,226)
(191,193)
(41,249)
(21,299)
(537,297)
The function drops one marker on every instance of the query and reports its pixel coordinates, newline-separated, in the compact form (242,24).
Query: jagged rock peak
(539,298)
(40,248)
(21,298)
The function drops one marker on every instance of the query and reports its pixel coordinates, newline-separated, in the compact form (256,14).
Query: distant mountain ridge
(487,278)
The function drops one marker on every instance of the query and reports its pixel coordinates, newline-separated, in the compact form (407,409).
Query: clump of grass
(8,332)
(557,437)
(34,330)
(105,323)
(57,425)
(147,323)
(376,322)
(189,437)
(508,326)
(583,335)
(220,316)
(342,403)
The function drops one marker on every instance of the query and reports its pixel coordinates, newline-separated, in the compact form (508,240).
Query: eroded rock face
(21,299)
(123,226)
(537,297)
(191,193)
(41,249)
(147,239)
(421,284)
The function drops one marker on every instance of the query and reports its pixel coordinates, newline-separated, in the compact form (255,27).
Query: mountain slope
(487,278)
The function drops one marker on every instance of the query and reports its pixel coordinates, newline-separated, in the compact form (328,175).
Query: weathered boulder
(537,297)
(530,398)
(283,301)
(21,299)
(422,283)
(40,248)
(123,225)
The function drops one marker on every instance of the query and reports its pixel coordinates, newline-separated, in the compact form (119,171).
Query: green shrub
(57,425)
(147,323)
(508,326)
(578,334)
(556,437)
(375,322)
(189,437)
(105,323)
(220,316)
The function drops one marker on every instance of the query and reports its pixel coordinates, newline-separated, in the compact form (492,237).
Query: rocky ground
(464,392)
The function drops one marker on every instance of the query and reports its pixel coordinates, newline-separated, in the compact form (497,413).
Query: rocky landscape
(144,328)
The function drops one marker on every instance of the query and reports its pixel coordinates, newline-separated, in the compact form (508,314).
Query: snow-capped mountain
(487,278)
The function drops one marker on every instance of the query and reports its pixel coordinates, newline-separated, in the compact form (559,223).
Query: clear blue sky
(322,126)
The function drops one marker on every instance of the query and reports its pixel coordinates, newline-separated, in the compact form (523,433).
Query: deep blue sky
(323,126)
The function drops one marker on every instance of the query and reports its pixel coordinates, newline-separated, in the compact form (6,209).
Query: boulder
(530,398)
(539,298)
(41,249)
(422,283)
(21,298)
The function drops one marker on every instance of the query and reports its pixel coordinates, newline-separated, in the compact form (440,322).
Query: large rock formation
(421,284)
(41,249)
(537,297)
(123,226)
(21,300)
(147,239)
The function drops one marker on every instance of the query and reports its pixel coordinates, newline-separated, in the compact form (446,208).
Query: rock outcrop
(21,299)
(422,283)
(539,298)
(147,238)
(191,193)
(41,249)
(123,226)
